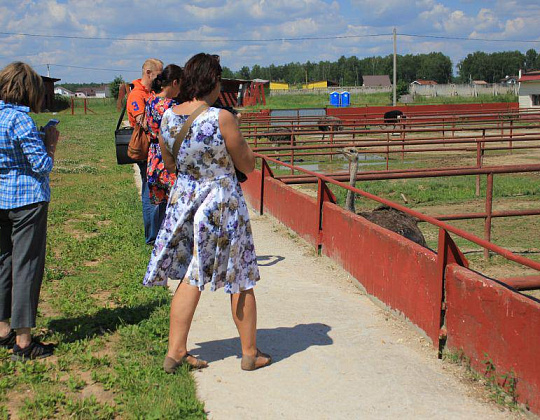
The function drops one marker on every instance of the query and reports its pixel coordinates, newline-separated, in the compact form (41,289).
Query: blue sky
(248,32)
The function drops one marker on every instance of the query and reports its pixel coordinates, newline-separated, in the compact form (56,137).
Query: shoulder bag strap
(121,117)
(183,131)
(127,88)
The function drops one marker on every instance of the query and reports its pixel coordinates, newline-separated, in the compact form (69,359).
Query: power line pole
(48,71)
(395,70)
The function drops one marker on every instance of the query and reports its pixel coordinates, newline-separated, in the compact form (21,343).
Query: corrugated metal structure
(279,86)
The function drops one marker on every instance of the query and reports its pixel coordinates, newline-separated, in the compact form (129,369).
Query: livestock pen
(472,311)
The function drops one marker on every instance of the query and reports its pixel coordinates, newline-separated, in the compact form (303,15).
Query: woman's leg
(244,313)
(183,307)
(6,284)
(28,263)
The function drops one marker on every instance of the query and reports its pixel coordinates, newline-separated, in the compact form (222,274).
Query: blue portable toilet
(334,99)
(345,99)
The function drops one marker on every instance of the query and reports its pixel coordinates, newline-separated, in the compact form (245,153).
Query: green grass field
(110,330)
(373,99)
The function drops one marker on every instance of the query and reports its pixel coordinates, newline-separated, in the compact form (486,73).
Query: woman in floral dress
(165,87)
(206,239)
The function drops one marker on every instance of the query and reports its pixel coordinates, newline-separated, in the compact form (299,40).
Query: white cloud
(211,20)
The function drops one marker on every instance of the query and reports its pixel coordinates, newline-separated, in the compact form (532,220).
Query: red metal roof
(425,82)
(529,78)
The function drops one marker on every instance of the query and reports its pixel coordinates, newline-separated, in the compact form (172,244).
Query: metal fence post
(489,211)
(447,253)
(265,170)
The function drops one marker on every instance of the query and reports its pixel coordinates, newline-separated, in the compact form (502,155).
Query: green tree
(531,58)
(256,72)
(434,66)
(490,67)
(244,73)
(114,86)
(227,73)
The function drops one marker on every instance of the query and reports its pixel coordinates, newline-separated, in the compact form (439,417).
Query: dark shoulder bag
(122,137)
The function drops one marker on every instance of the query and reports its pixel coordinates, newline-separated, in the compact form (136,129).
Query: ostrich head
(351,153)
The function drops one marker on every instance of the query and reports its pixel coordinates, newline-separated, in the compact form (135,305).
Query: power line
(471,39)
(89,68)
(305,38)
(106,38)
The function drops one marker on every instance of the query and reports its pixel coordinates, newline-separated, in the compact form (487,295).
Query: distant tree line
(433,66)
(496,66)
(349,71)
(74,86)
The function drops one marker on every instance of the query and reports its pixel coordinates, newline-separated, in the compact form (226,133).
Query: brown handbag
(139,144)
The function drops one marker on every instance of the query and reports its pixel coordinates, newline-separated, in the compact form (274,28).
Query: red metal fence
(457,308)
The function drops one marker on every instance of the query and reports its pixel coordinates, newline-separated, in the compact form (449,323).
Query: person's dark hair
(169,74)
(21,85)
(202,73)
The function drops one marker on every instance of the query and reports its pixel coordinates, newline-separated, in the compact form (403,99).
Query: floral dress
(206,234)
(160,181)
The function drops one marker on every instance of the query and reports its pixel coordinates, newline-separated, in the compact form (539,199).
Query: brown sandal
(170,365)
(250,362)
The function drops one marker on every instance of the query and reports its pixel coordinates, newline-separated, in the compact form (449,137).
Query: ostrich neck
(349,203)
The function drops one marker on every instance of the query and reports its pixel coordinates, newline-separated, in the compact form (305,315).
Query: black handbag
(122,137)
(242,177)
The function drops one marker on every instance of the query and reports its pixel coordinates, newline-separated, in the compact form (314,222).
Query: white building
(529,89)
(59,90)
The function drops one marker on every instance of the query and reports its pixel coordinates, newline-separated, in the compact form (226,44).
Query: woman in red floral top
(165,87)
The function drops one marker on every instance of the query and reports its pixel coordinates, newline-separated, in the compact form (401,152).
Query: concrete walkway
(336,354)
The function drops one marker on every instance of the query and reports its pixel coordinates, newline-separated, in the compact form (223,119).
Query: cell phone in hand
(52,123)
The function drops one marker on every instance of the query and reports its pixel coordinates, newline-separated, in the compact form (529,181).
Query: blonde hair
(152,64)
(21,85)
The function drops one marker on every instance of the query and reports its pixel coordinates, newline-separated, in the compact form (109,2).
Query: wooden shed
(48,102)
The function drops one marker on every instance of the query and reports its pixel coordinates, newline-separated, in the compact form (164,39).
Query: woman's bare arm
(241,154)
(168,159)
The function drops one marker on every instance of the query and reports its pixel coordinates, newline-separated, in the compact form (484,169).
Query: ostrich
(384,216)
(328,122)
(393,117)
(351,153)
(284,137)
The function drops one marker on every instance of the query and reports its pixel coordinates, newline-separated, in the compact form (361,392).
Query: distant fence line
(451,89)
(329,90)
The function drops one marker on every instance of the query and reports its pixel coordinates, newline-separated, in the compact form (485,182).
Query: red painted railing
(435,291)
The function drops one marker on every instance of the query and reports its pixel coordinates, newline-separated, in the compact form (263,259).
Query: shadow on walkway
(281,342)
(269,260)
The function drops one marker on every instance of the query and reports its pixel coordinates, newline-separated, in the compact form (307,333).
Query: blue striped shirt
(24,162)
